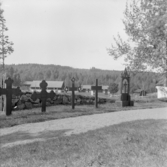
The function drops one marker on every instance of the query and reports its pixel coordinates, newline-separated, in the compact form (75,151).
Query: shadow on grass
(135,143)
(26,137)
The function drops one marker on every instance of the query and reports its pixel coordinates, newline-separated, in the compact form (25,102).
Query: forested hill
(29,72)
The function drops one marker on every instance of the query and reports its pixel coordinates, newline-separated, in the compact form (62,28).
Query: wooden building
(86,88)
(56,86)
(105,89)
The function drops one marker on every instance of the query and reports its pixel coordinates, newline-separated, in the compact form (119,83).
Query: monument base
(125,100)
(161,92)
(125,103)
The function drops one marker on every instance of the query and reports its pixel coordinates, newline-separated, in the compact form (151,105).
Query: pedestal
(125,101)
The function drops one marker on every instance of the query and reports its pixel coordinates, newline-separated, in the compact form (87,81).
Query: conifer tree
(5,45)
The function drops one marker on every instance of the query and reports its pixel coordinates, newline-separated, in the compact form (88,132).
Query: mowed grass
(132,144)
(66,111)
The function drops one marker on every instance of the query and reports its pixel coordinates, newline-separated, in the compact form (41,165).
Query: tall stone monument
(125,90)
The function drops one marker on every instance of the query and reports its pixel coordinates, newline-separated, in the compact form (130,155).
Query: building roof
(86,86)
(105,87)
(28,83)
(51,84)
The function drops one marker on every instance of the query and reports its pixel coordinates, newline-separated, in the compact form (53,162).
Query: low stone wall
(25,101)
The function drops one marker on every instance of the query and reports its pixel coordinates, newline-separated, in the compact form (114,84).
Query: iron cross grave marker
(73,89)
(96,88)
(43,95)
(8,91)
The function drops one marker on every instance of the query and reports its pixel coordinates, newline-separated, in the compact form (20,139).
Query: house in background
(105,89)
(162,88)
(26,86)
(86,88)
(56,86)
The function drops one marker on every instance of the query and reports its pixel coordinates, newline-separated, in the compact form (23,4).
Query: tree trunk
(166,67)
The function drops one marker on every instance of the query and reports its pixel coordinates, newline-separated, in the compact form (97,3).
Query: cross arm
(71,88)
(35,96)
(96,87)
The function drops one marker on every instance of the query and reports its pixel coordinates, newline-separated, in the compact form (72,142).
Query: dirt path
(77,125)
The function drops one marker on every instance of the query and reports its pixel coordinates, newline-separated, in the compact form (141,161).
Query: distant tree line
(28,72)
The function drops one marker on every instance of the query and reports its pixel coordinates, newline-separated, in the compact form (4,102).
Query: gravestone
(73,89)
(96,88)
(143,93)
(125,90)
(8,91)
(43,95)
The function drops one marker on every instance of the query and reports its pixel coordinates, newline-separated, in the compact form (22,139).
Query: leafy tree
(11,72)
(6,46)
(113,88)
(145,24)
(48,74)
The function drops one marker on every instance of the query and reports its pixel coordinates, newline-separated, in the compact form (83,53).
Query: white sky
(74,33)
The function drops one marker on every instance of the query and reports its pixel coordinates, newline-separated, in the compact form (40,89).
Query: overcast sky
(74,33)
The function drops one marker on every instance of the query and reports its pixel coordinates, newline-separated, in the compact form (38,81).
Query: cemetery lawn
(65,111)
(137,143)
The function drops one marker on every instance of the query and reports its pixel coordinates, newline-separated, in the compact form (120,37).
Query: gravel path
(81,124)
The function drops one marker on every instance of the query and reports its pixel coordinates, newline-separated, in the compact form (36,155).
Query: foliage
(6,46)
(113,88)
(145,24)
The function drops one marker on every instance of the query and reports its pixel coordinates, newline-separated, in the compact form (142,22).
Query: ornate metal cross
(43,95)
(73,89)
(8,91)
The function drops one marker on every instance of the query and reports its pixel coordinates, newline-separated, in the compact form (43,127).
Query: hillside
(29,72)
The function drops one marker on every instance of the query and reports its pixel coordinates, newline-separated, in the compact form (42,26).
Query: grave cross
(43,95)
(8,91)
(96,88)
(73,88)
